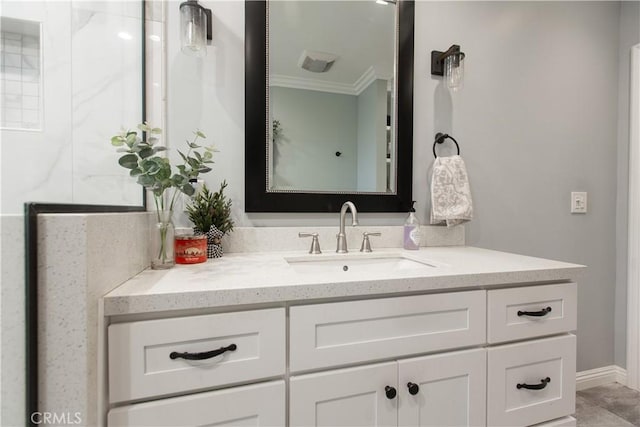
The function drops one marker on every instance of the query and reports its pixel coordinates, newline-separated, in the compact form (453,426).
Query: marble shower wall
(36,165)
(156,95)
(106,52)
(20,76)
(91,88)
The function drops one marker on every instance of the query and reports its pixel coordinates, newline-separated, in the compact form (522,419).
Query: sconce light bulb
(193,29)
(454,71)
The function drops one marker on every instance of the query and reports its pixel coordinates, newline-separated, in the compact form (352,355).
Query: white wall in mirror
(329,141)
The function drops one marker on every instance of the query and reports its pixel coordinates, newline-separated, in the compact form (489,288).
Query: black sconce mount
(437,59)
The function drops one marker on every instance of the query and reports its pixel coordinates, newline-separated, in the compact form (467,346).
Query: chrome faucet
(342,237)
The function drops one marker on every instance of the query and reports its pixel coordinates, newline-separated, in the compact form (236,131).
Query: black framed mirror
(261,194)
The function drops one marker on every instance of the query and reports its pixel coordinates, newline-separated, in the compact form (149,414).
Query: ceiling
(360,32)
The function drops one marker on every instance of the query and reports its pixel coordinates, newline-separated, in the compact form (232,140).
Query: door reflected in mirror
(332,96)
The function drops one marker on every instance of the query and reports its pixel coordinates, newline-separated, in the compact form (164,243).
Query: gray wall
(372,137)
(314,126)
(536,120)
(629,37)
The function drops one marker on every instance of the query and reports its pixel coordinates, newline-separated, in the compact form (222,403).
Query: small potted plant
(210,213)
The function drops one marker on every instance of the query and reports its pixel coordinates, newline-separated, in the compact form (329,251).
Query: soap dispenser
(412,230)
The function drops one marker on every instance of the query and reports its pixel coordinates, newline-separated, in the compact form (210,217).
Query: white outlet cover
(579,202)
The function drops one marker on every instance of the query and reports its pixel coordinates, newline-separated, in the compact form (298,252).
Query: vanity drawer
(521,313)
(261,405)
(531,363)
(342,333)
(140,352)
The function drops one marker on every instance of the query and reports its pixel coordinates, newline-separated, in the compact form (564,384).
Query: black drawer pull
(390,392)
(413,388)
(203,355)
(543,384)
(540,313)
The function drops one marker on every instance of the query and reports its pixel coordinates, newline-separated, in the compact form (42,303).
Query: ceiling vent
(316,62)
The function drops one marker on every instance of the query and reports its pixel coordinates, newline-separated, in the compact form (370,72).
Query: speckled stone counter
(262,278)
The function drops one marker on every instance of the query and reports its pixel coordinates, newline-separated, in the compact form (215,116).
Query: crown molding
(355,89)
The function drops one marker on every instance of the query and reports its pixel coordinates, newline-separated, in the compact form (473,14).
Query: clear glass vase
(161,246)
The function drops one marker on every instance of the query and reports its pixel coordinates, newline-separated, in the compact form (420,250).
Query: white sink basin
(356,263)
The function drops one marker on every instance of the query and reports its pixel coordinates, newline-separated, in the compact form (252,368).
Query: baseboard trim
(601,376)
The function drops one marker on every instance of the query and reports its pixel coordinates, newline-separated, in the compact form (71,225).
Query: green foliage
(209,208)
(277,130)
(153,171)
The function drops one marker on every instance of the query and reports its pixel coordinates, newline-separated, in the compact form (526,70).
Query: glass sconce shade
(454,70)
(193,29)
(449,64)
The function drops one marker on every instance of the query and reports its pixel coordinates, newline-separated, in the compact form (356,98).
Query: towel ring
(440,138)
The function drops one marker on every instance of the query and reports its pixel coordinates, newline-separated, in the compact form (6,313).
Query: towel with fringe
(450,192)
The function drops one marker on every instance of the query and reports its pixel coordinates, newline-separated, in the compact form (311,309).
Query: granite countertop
(259,278)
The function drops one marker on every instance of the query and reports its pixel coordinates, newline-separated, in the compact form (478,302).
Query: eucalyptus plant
(145,161)
(153,170)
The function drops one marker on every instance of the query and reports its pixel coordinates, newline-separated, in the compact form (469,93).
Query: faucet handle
(315,243)
(366,243)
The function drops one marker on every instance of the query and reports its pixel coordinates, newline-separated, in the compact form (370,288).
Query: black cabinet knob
(413,388)
(390,392)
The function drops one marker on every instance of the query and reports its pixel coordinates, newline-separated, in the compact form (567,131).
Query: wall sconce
(195,28)
(449,64)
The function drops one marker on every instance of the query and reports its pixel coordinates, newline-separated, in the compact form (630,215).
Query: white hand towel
(450,192)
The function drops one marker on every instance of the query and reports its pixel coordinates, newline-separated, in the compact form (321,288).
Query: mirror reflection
(331,98)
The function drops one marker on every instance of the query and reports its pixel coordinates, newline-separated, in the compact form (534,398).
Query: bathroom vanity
(440,336)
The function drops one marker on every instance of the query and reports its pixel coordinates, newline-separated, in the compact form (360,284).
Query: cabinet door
(532,381)
(253,405)
(450,390)
(345,397)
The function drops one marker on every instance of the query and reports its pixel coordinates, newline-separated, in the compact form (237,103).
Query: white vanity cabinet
(451,388)
(484,357)
(532,381)
(441,390)
(446,389)
(253,405)
(345,397)
(155,360)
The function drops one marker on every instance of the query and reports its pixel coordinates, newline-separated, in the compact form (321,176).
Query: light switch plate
(579,202)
